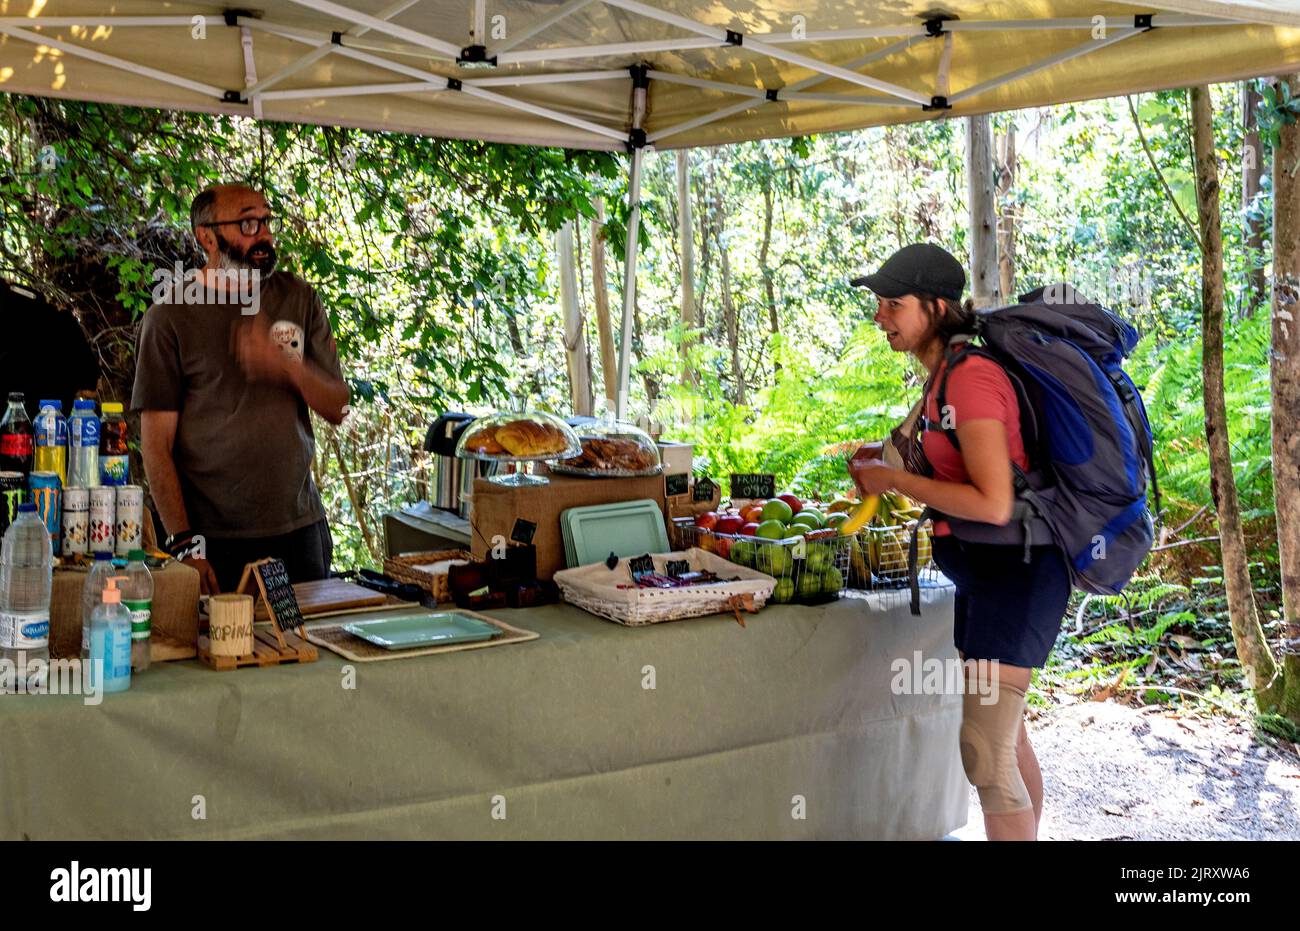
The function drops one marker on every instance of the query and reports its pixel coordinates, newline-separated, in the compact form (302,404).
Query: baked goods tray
(561,469)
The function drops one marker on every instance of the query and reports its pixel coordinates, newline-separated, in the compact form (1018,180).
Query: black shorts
(1006,609)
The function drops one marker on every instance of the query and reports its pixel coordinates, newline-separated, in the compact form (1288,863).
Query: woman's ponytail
(950,318)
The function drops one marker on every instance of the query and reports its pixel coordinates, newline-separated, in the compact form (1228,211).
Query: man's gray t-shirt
(243,449)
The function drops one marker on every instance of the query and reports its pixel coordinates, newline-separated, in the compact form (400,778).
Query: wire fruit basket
(806,571)
(878,561)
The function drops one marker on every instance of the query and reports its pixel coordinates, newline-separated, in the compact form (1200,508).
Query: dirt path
(1116,772)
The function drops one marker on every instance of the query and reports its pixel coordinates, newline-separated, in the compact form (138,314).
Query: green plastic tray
(626,528)
(418,630)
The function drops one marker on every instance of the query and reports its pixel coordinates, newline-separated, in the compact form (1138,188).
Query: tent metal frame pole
(113,22)
(631,243)
(396,67)
(541,25)
(568,77)
(945,67)
(438,82)
(345,42)
(557,116)
(733,38)
(250,70)
(324,49)
(532,56)
(1084,49)
(669,77)
(479,30)
(111,61)
(356,90)
(791,92)
(347,14)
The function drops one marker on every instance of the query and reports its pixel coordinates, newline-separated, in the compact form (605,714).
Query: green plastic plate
(418,630)
(626,528)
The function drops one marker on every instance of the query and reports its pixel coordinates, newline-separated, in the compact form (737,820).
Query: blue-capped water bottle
(83,445)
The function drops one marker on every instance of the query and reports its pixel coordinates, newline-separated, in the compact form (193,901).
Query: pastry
(484,441)
(606,455)
(528,438)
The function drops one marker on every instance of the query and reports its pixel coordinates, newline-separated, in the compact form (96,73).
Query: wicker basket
(596,589)
(403,569)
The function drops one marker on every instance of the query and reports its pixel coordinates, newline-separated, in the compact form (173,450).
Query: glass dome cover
(515,437)
(612,449)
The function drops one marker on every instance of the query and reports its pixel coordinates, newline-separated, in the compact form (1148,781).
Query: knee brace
(989,734)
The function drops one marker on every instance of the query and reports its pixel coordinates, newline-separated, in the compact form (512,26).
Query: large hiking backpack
(1086,435)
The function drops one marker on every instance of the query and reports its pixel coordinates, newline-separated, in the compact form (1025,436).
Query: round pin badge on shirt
(288,336)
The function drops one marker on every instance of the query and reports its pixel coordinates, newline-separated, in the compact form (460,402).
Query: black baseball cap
(921,266)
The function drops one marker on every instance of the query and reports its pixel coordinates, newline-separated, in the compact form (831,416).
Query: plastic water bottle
(110,641)
(137,596)
(26,560)
(83,445)
(92,595)
(52,441)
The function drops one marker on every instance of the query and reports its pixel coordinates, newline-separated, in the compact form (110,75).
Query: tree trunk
(1007,213)
(1252,170)
(686,234)
(1286,391)
(575,345)
(730,320)
(600,295)
(769,287)
(983,218)
(1247,632)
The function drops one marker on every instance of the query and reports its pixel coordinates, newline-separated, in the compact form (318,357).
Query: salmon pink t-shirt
(978,389)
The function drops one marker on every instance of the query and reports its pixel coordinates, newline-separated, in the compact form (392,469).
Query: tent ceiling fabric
(718,72)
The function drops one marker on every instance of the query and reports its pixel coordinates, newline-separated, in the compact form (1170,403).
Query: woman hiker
(1007,611)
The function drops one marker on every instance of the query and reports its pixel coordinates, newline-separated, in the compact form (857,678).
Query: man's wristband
(178,542)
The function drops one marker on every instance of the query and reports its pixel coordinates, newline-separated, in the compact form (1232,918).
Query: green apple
(819,558)
(744,552)
(812,517)
(776,509)
(832,581)
(771,529)
(784,591)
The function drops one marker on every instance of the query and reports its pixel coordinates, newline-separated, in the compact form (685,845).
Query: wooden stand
(268,650)
(271,645)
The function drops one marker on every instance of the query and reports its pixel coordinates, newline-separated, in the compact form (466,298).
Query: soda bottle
(52,441)
(137,596)
(110,641)
(92,595)
(26,561)
(83,445)
(113,469)
(16,440)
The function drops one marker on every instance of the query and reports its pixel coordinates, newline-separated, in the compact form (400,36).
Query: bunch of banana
(896,507)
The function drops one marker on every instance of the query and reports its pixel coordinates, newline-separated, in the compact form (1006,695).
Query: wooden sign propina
(281,641)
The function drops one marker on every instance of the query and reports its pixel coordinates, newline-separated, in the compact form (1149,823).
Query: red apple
(730,524)
(707,521)
(750,529)
(724,548)
(795,504)
(752,513)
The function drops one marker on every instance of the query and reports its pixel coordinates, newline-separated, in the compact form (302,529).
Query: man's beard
(260,256)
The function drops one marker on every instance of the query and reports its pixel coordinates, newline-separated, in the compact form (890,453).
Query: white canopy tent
(611,74)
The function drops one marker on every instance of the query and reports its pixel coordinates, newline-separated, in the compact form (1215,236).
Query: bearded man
(226,372)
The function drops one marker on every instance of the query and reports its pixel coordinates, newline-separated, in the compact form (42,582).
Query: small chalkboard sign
(277,592)
(639,565)
(523,531)
(678,483)
(753,485)
(704,489)
(677,567)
